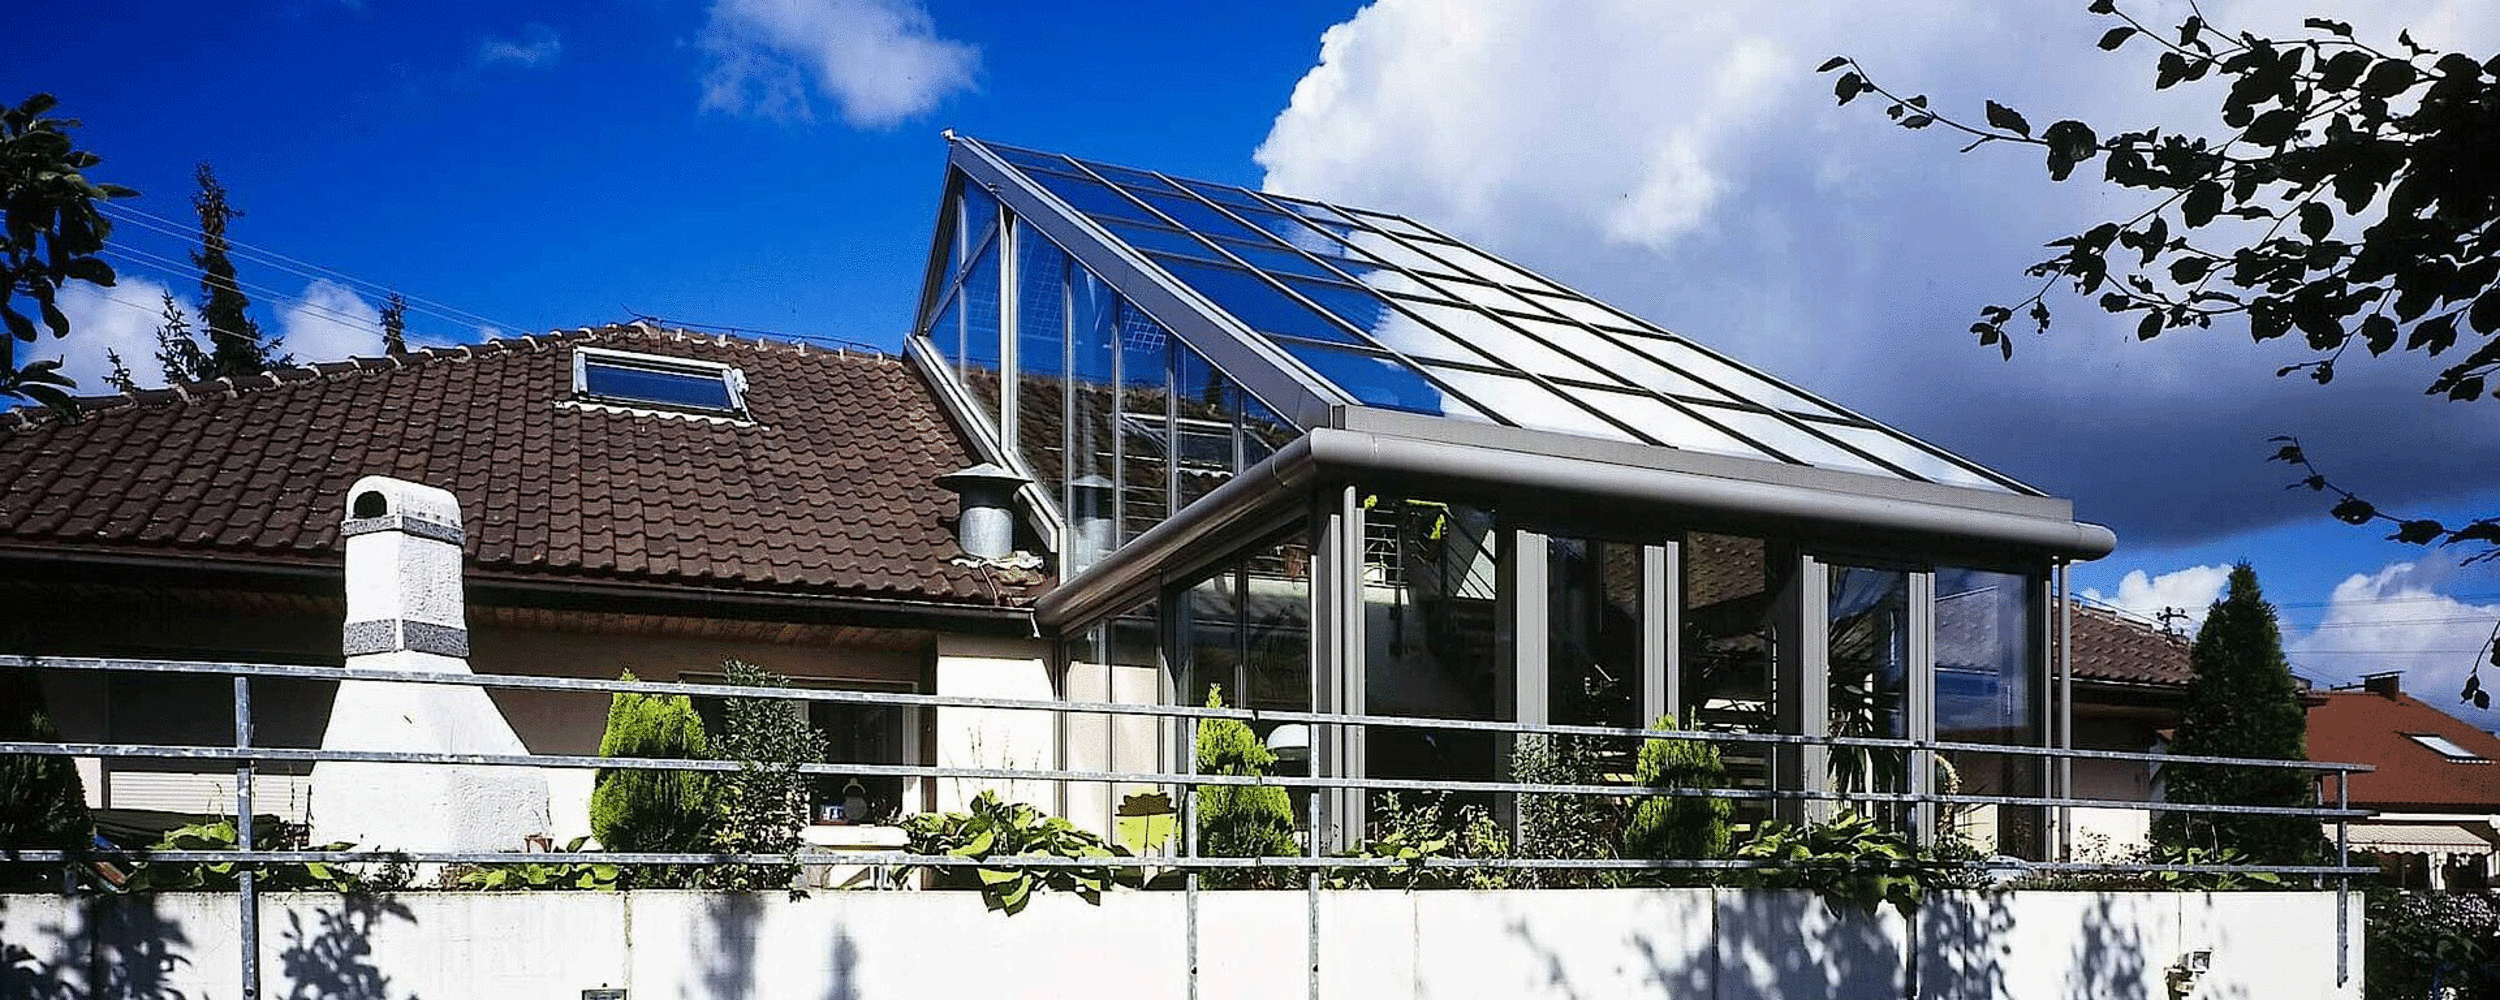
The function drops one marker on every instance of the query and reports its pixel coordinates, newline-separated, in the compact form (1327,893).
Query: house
(2130,682)
(2436,785)
(1320,458)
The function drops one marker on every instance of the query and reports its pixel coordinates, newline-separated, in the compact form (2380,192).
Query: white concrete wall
(1681,943)
(974,667)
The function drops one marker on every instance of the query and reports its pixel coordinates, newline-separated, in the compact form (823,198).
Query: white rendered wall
(1689,944)
(975,667)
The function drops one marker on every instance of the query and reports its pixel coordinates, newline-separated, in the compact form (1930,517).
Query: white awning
(2418,838)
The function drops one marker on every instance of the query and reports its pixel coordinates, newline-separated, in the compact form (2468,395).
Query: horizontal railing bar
(592,686)
(576,761)
(896,859)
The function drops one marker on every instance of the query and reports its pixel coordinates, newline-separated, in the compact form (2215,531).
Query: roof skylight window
(649,380)
(2447,747)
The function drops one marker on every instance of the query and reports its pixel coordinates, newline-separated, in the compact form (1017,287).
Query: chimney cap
(984,474)
(2388,683)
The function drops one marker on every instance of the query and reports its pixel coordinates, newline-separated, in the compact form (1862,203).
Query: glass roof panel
(1790,440)
(1528,404)
(1255,302)
(1380,380)
(1908,455)
(1431,325)
(1094,199)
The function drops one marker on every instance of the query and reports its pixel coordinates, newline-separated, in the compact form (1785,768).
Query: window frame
(731,378)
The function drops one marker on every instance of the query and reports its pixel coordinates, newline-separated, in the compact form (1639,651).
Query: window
(649,380)
(854,734)
(2447,748)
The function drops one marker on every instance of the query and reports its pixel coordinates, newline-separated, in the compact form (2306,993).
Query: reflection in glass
(1729,675)
(1145,423)
(1430,604)
(1495,342)
(1041,363)
(1092,419)
(1528,404)
(1255,302)
(981,324)
(1593,646)
(1249,634)
(1114,661)
(1791,440)
(1869,660)
(1204,407)
(1091,198)
(1380,380)
(1927,464)
(1988,691)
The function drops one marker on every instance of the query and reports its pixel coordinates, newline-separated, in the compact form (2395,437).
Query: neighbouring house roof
(825,491)
(2377,727)
(2111,648)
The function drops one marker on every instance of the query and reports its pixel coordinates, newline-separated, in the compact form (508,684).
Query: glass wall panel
(1041,359)
(1206,407)
(1988,691)
(1729,668)
(1145,421)
(1263,433)
(1248,634)
(980,216)
(1116,660)
(1431,618)
(981,296)
(1869,664)
(1093,414)
(1593,620)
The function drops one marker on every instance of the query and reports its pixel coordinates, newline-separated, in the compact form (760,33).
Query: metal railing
(247,756)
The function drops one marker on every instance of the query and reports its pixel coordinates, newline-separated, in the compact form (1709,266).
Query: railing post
(243,837)
(1189,851)
(2343,881)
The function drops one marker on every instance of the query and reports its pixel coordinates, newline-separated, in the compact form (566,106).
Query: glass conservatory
(1325,459)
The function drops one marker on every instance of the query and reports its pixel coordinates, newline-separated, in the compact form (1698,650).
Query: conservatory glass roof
(1377,310)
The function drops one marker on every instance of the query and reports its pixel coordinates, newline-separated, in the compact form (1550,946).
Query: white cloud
(539,45)
(2398,619)
(1682,159)
(329,321)
(880,61)
(122,320)
(2191,590)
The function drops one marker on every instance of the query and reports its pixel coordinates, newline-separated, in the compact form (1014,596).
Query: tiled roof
(827,492)
(2369,727)
(2112,648)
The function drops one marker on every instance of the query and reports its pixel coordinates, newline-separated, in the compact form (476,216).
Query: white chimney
(405,613)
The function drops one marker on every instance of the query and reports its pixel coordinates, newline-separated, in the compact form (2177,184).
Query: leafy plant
(220,835)
(2422,944)
(54,228)
(1239,821)
(1851,861)
(657,811)
(994,829)
(1565,826)
(763,805)
(555,873)
(1418,831)
(1676,826)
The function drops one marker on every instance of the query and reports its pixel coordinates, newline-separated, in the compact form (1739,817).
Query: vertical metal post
(2343,882)
(2065,711)
(1189,850)
(244,839)
(1661,626)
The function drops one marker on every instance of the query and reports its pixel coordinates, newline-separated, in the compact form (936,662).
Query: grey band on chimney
(417,526)
(392,635)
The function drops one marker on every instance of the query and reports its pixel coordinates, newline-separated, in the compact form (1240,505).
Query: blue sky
(774,165)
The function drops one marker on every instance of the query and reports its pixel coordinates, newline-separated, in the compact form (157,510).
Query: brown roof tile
(829,491)
(2113,648)
(2370,727)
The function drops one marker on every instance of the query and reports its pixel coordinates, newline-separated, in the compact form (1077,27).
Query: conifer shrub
(43,805)
(1239,821)
(1672,826)
(646,810)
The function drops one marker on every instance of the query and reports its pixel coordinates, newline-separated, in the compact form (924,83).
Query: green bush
(221,876)
(763,804)
(1239,821)
(1416,833)
(43,805)
(1565,826)
(655,811)
(1673,826)
(568,867)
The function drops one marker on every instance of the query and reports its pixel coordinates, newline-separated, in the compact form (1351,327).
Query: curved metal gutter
(1334,454)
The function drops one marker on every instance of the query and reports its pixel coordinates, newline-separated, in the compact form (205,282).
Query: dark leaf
(2116,37)
(2418,532)
(2342,71)
(2482,700)
(2388,79)
(2289,453)
(1832,63)
(2274,128)
(1918,121)
(2316,220)
(19,326)
(2466,389)
(2150,327)
(1848,87)
(2323,24)
(2484,317)
(2188,270)
(2316,483)
(2070,142)
(2203,202)
(2378,331)
(2002,117)
(2354,510)
(2433,335)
